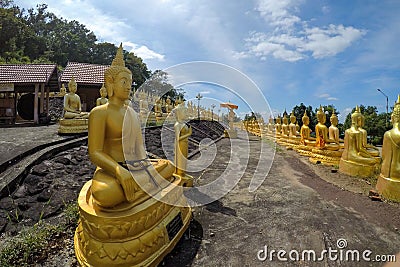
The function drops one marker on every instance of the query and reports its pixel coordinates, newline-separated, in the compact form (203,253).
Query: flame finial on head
(119,58)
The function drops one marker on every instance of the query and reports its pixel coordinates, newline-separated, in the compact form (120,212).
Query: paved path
(17,140)
(284,214)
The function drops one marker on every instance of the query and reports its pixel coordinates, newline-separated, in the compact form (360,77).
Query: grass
(31,245)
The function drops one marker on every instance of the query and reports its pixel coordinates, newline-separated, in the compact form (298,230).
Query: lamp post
(387,107)
(212,112)
(198,96)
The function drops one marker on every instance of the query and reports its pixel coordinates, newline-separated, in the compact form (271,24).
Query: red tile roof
(84,73)
(26,73)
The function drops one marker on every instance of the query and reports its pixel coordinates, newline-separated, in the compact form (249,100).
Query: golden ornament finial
(398,99)
(305,114)
(119,58)
(358,109)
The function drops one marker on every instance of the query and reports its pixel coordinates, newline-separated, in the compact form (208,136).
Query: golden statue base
(389,188)
(73,126)
(131,236)
(357,169)
(231,133)
(326,157)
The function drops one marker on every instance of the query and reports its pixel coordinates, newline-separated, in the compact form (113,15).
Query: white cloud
(328,97)
(291,39)
(143,51)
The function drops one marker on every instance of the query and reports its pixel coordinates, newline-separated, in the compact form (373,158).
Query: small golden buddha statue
(74,121)
(284,131)
(158,109)
(306,141)
(127,208)
(322,140)
(356,160)
(278,127)
(182,134)
(334,130)
(72,103)
(293,133)
(271,127)
(326,150)
(168,105)
(103,96)
(63,90)
(388,184)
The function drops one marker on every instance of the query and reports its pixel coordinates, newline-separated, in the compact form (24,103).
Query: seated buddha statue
(306,141)
(356,160)
(270,126)
(129,207)
(103,96)
(388,184)
(158,109)
(74,120)
(284,131)
(370,148)
(72,103)
(322,140)
(278,127)
(294,136)
(334,130)
(63,90)
(326,151)
(113,183)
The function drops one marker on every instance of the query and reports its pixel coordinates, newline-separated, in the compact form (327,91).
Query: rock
(40,170)
(37,188)
(7,203)
(21,192)
(65,160)
(44,196)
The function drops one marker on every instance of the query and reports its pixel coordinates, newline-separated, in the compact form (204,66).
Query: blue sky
(312,51)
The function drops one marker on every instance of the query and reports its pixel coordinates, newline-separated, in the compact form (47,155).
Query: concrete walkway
(248,228)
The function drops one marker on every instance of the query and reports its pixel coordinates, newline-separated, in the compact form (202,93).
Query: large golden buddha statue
(388,184)
(284,131)
(326,151)
(74,121)
(133,211)
(356,160)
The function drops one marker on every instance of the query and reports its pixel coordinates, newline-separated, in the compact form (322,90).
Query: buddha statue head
(285,119)
(278,119)
(72,86)
(321,115)
(396,112)
(305,119)
(292,118)
(334,119)
(116,69)
(356,118)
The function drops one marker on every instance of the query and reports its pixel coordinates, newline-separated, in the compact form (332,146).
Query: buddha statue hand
(127,182)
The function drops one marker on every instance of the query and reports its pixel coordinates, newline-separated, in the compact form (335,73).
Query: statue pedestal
(231,133)
(326,157)
(135,236)
(73,126)
(356,169)
(389,188)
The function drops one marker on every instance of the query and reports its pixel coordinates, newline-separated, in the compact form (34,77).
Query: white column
(41,98)
(35,104)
